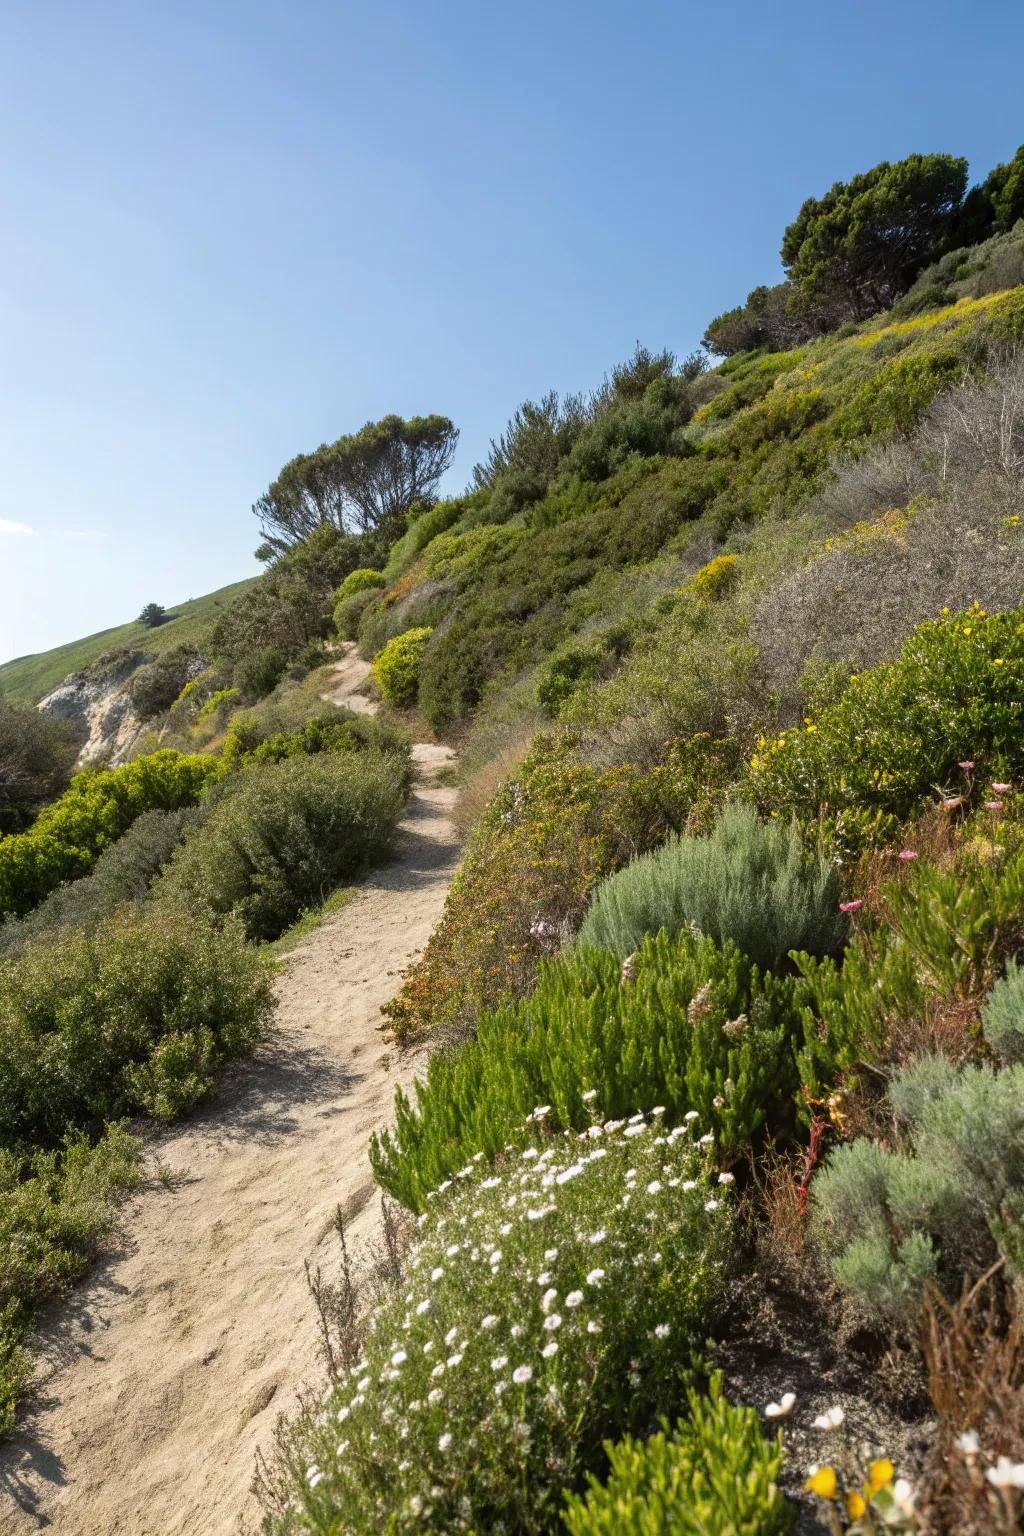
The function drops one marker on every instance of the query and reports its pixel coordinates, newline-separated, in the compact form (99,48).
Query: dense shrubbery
(904,729)
(550,834)
(95,810)
(284,835)
(546,1307)
(685,1025)
(122,873)
(251,739)
(154,688)
(54,1208)
(714,1474)
(746,880)
(396,667)
(132,1014)
(37,755)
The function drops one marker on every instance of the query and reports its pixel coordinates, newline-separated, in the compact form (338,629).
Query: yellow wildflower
(856,1504)
(967,629)
(880,1472)
(822,1481)
(997,661)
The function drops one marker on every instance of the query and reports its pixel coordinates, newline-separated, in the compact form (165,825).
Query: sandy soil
(170,1366)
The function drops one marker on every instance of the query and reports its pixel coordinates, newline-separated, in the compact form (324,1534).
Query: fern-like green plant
(747,880)
(713,1475)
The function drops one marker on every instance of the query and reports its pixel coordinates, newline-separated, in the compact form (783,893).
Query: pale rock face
(101,712)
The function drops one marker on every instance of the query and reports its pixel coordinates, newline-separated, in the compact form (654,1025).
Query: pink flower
(850,906)
(1002,789)
(907,855)
(994,805)
(967,765)
(952,802)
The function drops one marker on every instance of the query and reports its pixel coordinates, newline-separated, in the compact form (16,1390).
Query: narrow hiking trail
(167,1370)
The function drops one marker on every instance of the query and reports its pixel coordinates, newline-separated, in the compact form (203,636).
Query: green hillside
(28,679)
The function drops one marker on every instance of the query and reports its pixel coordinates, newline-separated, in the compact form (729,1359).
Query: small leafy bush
(283,837)
(1002,1015)
(713,1475)
(748,880)
(955,694)
(37,756)
(122,873)
(397,667)
(94,811)
(362,579)
(688,1026)
(716,578)
(54,1208)
(80,1010)
(941,1206)
(547,1306)
(348,612)
(328,731)
(154,688)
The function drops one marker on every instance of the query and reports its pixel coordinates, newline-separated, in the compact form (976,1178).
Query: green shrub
(54,1208)
(348,612)
(397,667)
(94,811)
(547,1306)
(362,579)
(154,688)
(941,1206)
(259,672)
(1002,1015)
(713,1475)
(715,579)
(283,837)
(748,881)
(37,756)
(687,1026)
(955,694)
(122,873)
(217,700)
(547,837)
(328,731)
(81,1010)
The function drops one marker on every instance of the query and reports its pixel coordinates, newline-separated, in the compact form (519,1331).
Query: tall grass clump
(714,1474)
(282,838)
(555,1302)
(132,1015)
(748,880)
(686,1025)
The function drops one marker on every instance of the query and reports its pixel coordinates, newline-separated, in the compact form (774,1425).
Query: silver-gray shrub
(1002,1015)
(940,1205)
(747,880)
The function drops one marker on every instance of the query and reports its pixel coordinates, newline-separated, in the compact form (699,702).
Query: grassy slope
(30,678)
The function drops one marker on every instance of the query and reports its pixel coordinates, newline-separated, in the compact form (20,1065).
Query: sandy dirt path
(169,1368)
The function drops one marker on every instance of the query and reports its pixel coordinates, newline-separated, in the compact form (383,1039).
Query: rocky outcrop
(97,704)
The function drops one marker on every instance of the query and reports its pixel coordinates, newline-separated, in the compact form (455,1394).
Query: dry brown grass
(480,787)
(974,1357)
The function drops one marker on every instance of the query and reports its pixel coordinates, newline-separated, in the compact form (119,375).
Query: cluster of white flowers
(538,1262)
(1004,1474)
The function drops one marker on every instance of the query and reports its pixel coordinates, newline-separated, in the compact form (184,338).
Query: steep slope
(30,678)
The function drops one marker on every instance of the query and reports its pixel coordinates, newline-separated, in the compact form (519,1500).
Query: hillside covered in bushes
(721,1008)
(706,1213)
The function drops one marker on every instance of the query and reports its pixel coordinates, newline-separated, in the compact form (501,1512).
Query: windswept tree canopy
(866,239)
(363,482)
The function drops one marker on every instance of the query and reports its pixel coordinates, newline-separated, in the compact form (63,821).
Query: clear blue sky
(229,231)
